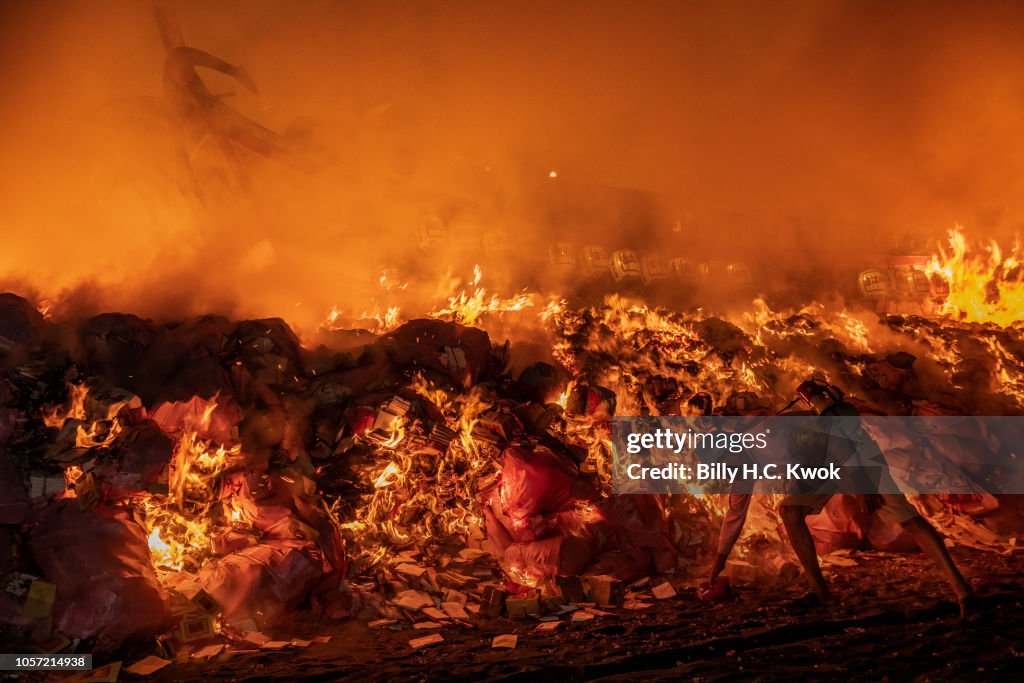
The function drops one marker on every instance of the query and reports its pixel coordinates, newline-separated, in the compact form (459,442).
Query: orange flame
(985,286)
(468,307)
(179,524)
(74,411)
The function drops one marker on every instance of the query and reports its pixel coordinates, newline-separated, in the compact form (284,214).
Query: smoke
(790,135)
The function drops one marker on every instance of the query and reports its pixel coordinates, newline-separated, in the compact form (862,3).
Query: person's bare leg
(793,516)
(931,543)
(717,567)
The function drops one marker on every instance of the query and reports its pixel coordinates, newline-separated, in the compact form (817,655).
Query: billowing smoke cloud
(780,133)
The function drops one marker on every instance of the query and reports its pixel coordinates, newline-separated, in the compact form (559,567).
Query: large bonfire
(247,475)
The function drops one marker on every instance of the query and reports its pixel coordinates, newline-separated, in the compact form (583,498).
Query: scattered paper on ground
(664,591)
(426,641)
(208,651)
(147,666)
(413,600)
(255,637)
(454,610)
(426,624)
(507,640)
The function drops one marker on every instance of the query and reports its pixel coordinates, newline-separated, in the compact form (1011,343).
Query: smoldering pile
(889,364)
(201,482)
(666,362)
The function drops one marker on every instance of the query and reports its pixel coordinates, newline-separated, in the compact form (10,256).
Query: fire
(468,307)
(162,553)
(98,435)
(623,342)
(1009,369)
(45,308)
(180,523)
(552,309)
(72,474)
(334,319)
(812,321)
(563,398)
(390,319)
(88,434)
(377,320)
(396,433)
(74,411)
(985,286)
(436,395)
(196,464)
(470,408)
(387,477)
(423,498)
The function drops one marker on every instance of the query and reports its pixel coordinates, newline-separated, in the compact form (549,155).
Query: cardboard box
(551,603)
(571,588)
(524,606)
(493,601)
(606,591)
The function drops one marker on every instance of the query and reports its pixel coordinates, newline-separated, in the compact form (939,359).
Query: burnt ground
(894,621)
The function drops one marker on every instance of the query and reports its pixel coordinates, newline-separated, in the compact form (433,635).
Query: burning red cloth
(542,525)
(535,484)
